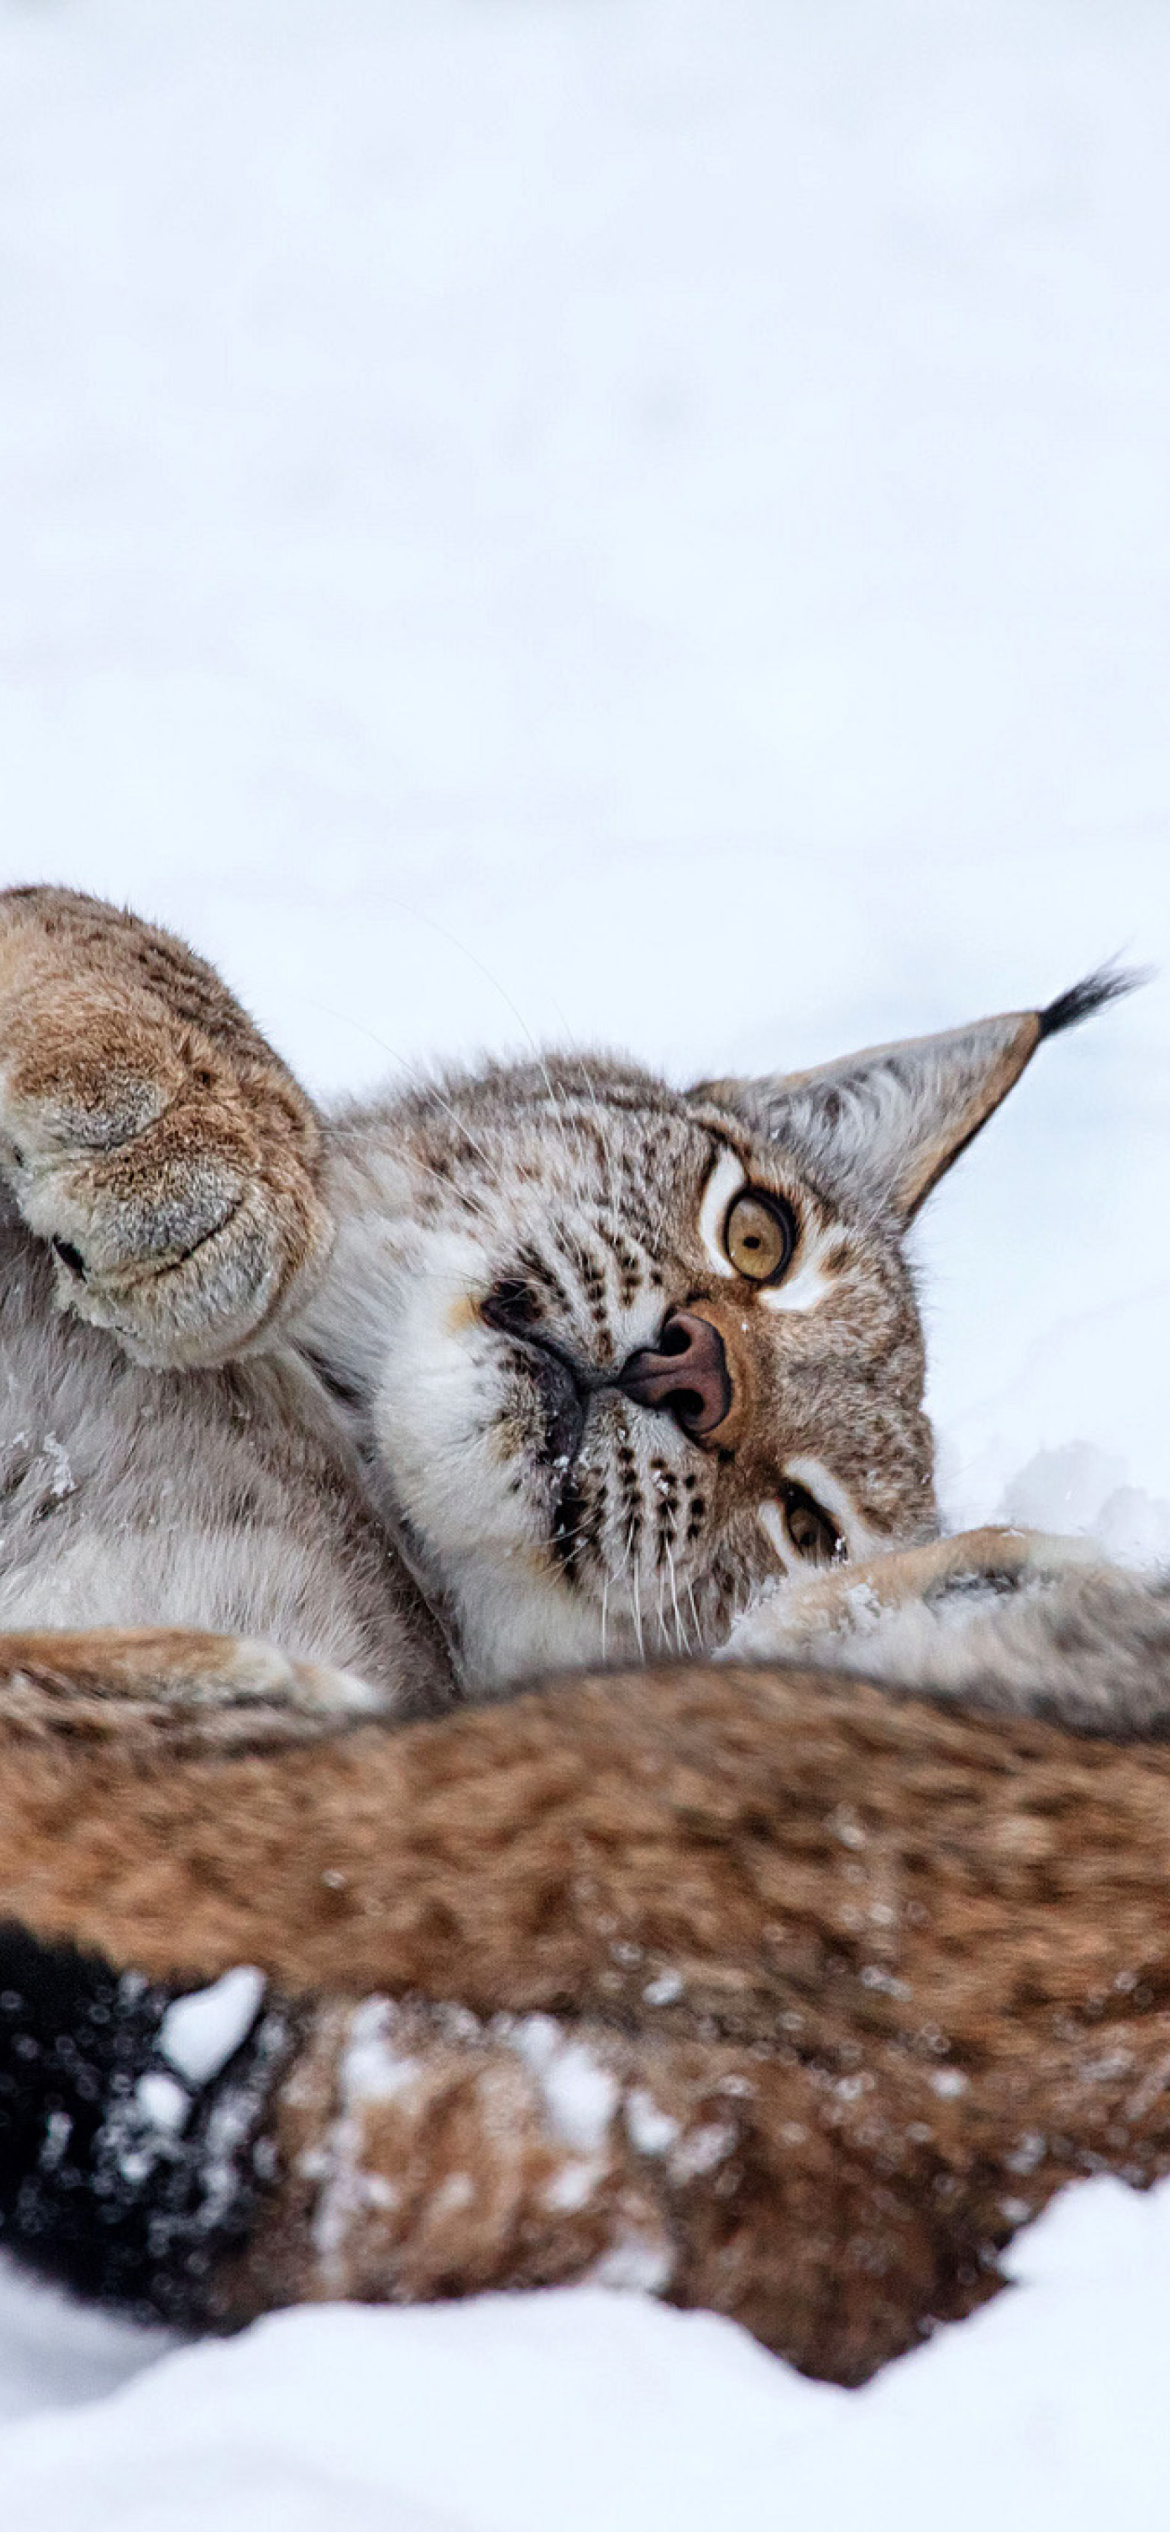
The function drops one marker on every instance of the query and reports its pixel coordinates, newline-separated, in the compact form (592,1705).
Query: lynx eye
(813,1535)
(759,1236)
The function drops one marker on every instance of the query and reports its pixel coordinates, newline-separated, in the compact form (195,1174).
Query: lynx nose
(685,1374)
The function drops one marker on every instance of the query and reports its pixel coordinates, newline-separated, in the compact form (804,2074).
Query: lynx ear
(884,1125)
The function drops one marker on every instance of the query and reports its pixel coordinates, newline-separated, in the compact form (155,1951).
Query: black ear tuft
(1107,984)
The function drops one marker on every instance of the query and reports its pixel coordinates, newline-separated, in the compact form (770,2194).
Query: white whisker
(695,1613)
(431,1091)
(683,1645)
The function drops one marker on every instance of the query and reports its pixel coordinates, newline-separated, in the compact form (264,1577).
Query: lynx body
(539,1367)
(310,1424)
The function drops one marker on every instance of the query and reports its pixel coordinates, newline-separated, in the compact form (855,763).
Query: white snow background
(641,521)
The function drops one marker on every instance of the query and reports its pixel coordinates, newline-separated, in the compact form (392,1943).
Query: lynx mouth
(564,1404)
(562,1390)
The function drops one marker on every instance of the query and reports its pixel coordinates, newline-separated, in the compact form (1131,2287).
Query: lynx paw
(149,1135)
(187,1689)
(852,1601)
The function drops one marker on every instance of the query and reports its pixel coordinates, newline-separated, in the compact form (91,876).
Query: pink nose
(685,1374)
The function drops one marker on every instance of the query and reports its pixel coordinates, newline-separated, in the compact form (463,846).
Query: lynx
(403,1404)
(698,1965)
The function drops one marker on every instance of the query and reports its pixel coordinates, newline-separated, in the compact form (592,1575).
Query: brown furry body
(858,1984)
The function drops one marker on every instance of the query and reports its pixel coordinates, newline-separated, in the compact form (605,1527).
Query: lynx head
(619,1355)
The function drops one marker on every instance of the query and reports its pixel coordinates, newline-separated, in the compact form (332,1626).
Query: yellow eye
(813,1535)
(760,1235)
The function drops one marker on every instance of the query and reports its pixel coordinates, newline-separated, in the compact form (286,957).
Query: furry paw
(183,1688)
(149,1135)
(819,1613)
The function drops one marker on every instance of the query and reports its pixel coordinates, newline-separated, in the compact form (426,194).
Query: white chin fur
(436,1408)
(436,1420)
(518,1619)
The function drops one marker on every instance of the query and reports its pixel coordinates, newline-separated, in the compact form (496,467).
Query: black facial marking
(569,1527)
(564,1405)
(70,1257)
(590,1276)
(512,1306)
(537,1270)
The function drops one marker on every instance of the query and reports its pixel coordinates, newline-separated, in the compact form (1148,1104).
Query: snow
(200,2031)
(583,2408)
(580,2096)
(162,2103)
(641,521)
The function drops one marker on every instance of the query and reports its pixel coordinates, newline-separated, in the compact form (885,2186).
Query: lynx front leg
(850,1601)
(149,1135)
(197,1692)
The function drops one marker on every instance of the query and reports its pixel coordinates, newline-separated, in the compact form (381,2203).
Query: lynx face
(622,1359)
(618,1356)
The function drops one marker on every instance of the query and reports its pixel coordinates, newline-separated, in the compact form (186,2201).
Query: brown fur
(144,1101)
(895,1974)
(176,1687)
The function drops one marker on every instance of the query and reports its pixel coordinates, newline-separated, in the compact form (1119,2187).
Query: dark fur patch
(94,2193)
